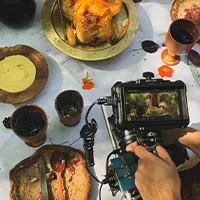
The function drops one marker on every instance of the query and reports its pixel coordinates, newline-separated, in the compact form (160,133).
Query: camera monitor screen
(156,105)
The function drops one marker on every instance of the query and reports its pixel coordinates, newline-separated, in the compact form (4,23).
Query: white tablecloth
(66,73)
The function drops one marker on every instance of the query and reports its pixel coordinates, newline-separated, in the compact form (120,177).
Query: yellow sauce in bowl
(17,73)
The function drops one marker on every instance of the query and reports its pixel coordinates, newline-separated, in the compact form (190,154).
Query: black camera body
(143,108)
(150,104)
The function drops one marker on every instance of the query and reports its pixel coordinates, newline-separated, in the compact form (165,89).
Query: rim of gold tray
(84,52)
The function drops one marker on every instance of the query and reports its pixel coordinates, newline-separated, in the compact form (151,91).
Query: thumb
(163,154)
(131,147)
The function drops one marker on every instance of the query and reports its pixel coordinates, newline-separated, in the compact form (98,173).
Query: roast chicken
(91,20)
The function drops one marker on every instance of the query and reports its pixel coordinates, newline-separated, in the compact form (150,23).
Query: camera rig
(141,110)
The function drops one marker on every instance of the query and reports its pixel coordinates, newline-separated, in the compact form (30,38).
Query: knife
(44,190)
(195,73)
(61,18)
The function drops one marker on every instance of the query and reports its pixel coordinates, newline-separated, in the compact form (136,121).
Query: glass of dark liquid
(180,38)
(29,123)
(69,106)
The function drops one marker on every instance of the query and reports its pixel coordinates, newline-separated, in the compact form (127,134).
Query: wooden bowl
(41,77)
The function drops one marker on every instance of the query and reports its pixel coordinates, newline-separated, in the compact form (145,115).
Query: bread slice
(25,177)
(187,9)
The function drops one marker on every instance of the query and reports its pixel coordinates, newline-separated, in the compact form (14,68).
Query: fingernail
(129,148)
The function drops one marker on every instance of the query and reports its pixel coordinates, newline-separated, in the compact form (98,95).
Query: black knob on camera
(148,75)
(149,140)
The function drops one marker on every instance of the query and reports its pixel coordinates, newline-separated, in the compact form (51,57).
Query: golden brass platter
(52,26)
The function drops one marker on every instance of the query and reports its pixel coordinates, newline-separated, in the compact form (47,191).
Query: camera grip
(153,150)
(149,140)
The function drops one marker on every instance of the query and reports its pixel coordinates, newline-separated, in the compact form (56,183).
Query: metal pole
(128,195)
(112,137)
(113,140)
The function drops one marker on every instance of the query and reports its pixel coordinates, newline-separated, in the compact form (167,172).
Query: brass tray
(41,77)
(52,26)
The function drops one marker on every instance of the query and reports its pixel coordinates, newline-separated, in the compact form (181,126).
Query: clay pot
(170,56)
(66,102)
(38,138)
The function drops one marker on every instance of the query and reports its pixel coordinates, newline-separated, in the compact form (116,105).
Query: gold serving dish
(52,25)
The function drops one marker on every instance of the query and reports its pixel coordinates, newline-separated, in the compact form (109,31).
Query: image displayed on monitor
(152,104)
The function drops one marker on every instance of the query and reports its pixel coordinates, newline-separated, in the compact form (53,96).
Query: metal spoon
(57,162)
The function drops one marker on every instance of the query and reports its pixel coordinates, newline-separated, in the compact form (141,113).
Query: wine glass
(180,38)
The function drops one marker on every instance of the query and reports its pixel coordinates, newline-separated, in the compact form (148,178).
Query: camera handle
(149,140)
(123,166)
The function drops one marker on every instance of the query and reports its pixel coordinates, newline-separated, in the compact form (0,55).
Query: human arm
(156,177)
(189,137)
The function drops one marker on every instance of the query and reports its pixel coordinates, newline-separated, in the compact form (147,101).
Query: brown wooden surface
(41,77)
(175,10)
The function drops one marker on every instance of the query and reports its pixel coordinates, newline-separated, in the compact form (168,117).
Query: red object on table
(165,70)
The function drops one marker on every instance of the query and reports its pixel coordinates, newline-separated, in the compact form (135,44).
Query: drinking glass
(180,38)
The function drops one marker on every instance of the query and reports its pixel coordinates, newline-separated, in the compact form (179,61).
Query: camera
(150,104)
(141,109)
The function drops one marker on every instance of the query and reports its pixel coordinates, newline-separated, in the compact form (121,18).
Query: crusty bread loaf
(25,177)
(187,9)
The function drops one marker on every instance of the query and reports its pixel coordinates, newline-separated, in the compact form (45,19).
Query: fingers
(140,151)
(163,154)
(131,147)
(144,154)
(141,166)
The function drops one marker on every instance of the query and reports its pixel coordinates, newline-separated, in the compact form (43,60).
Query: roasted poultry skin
(91,20)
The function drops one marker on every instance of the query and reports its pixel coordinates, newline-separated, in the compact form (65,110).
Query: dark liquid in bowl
(29,124)
(182,36)
(69,111)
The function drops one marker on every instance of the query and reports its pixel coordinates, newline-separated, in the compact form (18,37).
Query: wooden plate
(52,26)
(76,179)
(41,77)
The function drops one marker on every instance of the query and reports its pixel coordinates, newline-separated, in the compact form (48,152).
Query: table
(66,73)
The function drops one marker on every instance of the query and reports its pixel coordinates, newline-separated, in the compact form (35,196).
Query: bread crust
(174,10)
(176,7)
(46,151)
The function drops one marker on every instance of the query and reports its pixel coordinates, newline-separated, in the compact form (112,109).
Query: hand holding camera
(156,177)
(188,137)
